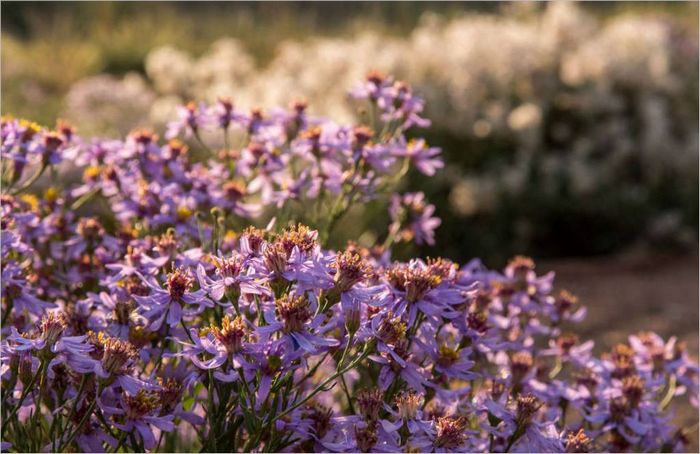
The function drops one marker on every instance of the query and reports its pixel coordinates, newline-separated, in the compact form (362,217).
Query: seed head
(370,401)
(229,267)
(321,417)
(366,438)
(299,236)
(234,190)
(275,258)
(52,326)
(520,364)
(408,404)
(255,238)
(633,389)
(231,334)
(179,282)
(361,136)
(391,330)
(167,244)
(416,282)
(578,442)
(566,342)
(118,354)
(122,312)
(170,393)
(443,268)
(565,302)
(142,404)
(520,266)
(622,357)
(90,228)
(526,407)
(294,310)
(478,321)
(451,432)
(447,356)
(351,268)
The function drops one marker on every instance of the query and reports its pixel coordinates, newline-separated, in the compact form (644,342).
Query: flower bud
(369,402)
(352,315)
(451,432)
(52,327)
(408,404)
(25,369)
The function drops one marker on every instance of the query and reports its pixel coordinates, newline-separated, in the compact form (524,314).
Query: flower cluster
(552,105)
(165,322)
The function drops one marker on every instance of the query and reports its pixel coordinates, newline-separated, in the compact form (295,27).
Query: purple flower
(140,414)
(15,289)
(293,318)
(192,118)
(51,343)
(424,158)
(162,303)
(413,218)
(232,274)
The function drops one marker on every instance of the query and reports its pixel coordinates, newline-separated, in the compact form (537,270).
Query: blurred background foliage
(568,130)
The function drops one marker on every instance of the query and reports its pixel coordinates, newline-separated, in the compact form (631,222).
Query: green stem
(84,198)
(201,142)
(121,441)
(77,397)
(25,393)
(347,393)
(669,394)
(80,425)
(187,331)
(345,352)
(323,384)
(31,180)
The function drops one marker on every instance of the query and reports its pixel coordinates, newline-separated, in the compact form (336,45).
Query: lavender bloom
(308,349)
(15,289)
(293,318)
(169,303)
(231,275)
(424,158)
(51,343)
(413,218)
(140,415)
(395,100)
(192,118)
(136,262)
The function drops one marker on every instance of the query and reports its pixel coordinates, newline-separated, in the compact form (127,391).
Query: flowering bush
(142,311)
(581,134)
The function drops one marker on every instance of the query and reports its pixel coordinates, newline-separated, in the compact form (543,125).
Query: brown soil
(628,295)
(625,295)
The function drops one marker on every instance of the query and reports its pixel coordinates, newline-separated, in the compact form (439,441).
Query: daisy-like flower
(420,155)
(49,342)
(16,290)
(215,345)
(293,317)
(413,217)
(232,274)
(166,305)
(139,413)
(417,289)
(191,119)
(115,362)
